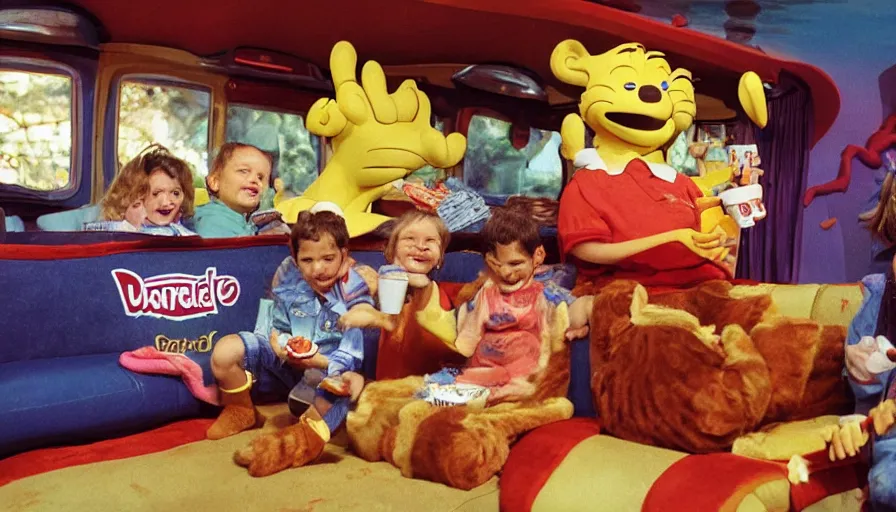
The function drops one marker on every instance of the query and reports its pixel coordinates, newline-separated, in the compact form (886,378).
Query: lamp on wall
(501,79)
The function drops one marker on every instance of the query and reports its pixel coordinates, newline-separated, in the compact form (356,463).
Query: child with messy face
(311,290)
(150,195)
(501,328)
(416,341)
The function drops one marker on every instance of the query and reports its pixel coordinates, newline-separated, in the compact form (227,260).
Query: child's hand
(883,416)
(136,214)
(574,333)
(279,351)
(318,361)
(580,314)
(347,384)
(418,280)
(365,315)
(355,384)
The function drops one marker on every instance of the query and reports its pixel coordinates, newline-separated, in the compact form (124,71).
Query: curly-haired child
(151,194)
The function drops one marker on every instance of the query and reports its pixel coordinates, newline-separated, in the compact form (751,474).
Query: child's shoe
(239,413)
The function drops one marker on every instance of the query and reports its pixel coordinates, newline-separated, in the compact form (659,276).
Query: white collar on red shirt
(589,159)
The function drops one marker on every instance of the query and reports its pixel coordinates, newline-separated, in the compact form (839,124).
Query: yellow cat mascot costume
(626,219)
(697,363)
(377,138)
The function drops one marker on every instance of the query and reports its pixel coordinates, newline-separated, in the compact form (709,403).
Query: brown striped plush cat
(682,372)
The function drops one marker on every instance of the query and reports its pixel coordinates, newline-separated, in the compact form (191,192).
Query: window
(296,152)
(494,167)
(35,130)
(175,116)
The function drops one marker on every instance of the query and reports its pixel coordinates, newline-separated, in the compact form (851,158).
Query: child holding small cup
(414,342)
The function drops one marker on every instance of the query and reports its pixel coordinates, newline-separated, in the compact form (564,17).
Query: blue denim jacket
(882,477)
(299,311)
(882,486)
(864,324)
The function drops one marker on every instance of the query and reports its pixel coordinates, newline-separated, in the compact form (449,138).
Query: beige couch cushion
(830,304)
(837,304)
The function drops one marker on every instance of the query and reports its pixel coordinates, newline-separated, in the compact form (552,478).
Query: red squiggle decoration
(870,155)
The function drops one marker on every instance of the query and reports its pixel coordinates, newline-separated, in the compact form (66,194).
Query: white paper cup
(738,203)
(391,293)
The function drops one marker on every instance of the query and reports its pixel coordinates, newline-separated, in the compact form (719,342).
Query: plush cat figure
(664,375)
(462,447)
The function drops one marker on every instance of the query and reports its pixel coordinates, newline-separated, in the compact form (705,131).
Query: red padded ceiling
(522,32)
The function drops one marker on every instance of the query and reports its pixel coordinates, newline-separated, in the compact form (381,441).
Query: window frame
(163,80)
(25,64)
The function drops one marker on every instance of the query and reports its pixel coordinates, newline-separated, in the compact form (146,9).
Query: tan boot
(293,446)
(239,412)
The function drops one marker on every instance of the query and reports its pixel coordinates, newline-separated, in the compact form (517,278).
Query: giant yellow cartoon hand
(377,138)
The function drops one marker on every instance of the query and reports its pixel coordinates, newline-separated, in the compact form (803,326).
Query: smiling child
(150,195)
(238,177)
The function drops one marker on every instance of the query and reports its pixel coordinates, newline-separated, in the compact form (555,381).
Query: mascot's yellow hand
(704,203)
(369,103)
(572,134)
(705,245)
(751,94)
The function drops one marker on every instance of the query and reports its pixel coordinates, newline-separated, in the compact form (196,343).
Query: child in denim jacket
(875,392)
(312,289)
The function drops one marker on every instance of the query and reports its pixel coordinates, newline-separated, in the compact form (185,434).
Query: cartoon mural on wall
(871,155)
(378,138)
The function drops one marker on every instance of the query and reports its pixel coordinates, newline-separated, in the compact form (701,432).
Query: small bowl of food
(299,347)
(448,395)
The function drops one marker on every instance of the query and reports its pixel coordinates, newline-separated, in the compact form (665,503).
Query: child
(850,438)
(150,194)
(501,328)
(239,176)
(308,303)
(874,386)
(416,345)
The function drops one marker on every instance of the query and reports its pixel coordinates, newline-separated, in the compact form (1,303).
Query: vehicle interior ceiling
(432,42)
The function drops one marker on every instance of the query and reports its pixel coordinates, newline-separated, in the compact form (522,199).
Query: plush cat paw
(293,446)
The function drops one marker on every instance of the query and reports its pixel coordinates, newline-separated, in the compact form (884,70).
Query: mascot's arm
(440,323)
(584,233)
(706,245)
(612,253)
(360,203)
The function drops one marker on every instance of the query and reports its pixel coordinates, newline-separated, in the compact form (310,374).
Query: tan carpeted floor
(201,476)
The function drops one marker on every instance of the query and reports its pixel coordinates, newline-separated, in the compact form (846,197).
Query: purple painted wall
(866,50)
(853,42)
